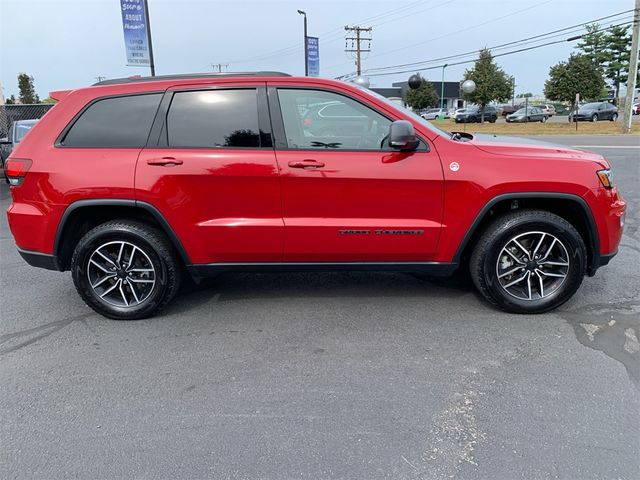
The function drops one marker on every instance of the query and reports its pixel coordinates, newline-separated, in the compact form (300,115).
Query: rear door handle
(164,161)
(306,163)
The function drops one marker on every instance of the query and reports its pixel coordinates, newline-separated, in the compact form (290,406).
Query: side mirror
(402,136)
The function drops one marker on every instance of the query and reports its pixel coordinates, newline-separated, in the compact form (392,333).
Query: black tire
(614,117)
(543,120)
(594,117)
(154,248)
(493,120)
(484,262)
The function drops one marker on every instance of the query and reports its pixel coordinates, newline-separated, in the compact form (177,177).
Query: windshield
(22,129)
(417,118)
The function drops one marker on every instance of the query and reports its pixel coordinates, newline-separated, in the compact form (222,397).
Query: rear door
(210,169)
(346,195)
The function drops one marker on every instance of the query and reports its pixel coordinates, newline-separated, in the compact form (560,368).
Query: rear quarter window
(115,122)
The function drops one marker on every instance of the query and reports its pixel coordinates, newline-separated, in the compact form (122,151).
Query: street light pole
(146,19)
(442,94)
(306,53)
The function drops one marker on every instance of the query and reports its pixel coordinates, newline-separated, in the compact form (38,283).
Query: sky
(67,44)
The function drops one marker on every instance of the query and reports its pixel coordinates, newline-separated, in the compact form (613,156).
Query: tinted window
(213,119)
(119,122)
(330,121)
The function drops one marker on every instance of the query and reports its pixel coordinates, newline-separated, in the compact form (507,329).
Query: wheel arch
(82,215)
(571,207)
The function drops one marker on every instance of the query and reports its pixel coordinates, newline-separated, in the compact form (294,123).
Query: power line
(512,52)
(533,39)
(539,37)
(335,34)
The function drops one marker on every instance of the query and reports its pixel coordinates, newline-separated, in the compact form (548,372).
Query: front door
(346,195)
(212,173)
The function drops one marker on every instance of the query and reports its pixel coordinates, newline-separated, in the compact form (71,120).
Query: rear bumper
(40,260)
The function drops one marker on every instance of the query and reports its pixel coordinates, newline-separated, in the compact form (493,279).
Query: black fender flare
(594,241)
(102,202)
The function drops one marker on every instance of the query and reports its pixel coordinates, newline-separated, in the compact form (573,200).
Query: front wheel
(125,270)
(594,117)
(614,117)
(543,119)
(529,261)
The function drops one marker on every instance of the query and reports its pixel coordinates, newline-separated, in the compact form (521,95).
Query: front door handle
(164,161)
(306,163)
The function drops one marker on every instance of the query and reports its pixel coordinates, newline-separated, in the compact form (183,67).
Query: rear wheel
(125,270)
(614,117)
(543,119)
(530,261)
(594,117)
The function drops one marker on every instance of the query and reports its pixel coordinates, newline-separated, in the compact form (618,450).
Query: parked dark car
(17,131)
(529,114)
(592,112)
(473,115)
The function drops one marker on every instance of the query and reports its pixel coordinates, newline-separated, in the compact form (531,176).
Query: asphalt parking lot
(326,376)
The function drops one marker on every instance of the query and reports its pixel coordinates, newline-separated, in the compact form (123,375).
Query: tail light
(15,169)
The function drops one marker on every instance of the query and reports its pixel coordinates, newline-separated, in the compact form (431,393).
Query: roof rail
(115,81)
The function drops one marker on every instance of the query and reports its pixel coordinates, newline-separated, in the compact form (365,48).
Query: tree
(422,97)
(48,100)
(492,83)
(618,54)
(524,95)
(593,44)
(577,75)
(11,100)
(27,90)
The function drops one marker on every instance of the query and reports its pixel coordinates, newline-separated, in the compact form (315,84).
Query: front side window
(315,119)
(214,119)
(116,122)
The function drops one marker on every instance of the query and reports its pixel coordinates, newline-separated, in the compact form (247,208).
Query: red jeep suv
(134,183)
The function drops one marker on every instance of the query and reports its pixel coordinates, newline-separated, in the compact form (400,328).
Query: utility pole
(633,70)
(219,66)
(358,50)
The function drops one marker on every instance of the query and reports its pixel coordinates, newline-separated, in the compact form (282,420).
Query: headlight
(606,178)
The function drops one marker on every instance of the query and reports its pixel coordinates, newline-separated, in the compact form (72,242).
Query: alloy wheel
(532,265)
(121,274)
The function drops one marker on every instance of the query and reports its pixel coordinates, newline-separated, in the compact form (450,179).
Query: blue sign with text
(313,56)
(136,33)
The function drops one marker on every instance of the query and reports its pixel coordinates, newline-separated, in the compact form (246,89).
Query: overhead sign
(313,56)
(136,33)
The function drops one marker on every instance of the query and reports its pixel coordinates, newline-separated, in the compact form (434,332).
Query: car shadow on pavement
(247,286)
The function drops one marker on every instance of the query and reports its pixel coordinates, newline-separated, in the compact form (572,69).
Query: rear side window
(117,122)
(214,119)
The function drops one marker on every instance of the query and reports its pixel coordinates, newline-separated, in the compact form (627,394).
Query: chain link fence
(11,113)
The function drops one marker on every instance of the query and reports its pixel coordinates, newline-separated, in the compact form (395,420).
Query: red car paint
(235,205)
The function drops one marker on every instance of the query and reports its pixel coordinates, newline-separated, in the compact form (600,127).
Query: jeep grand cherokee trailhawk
(133,183)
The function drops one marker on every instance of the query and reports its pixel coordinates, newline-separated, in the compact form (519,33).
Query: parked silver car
(528,114)
(433,113)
